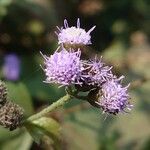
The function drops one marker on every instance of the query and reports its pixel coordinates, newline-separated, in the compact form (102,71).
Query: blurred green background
(121,36)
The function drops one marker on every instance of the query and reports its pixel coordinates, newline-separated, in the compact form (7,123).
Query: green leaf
(21,142)
(45,129)
(43,91)
(49,125)
(19,94)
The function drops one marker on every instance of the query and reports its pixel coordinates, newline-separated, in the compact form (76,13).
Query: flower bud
(10,115)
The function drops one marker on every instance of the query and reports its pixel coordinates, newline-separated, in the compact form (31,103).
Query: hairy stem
(50,108)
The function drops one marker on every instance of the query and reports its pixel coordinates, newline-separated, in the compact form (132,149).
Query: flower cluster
(66,67)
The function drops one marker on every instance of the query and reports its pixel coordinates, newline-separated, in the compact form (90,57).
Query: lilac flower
(114,98)
(95,73)
(63,67)
(74,35)
(11,67)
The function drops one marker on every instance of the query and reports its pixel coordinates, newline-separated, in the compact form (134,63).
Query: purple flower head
(95,73)
(11,67)
(63,67)
(74,35)
(114,98)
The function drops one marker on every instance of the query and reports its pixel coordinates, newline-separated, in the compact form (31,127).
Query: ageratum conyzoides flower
(96,72)
(63,67)
(74,35)
(114,97)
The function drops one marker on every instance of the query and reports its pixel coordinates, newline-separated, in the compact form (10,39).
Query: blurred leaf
(6,134)
(119,27)
(21,142)
(115,53)
(3,11)
(141,65)
(35,27)
(3,7)
(5,2)
(43,91)
(20,95)
(81,130)
(45,127)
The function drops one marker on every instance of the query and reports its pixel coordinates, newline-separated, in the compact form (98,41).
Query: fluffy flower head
(63,67)
(96,72)
(114,97)
(74,35)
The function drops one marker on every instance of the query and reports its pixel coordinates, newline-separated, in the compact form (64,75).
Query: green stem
(50,108)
